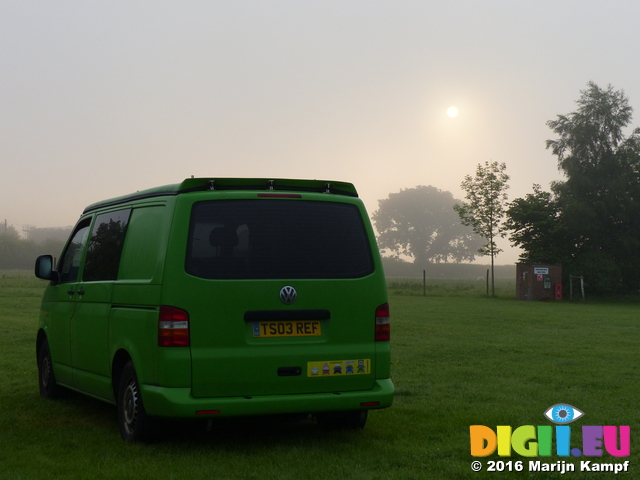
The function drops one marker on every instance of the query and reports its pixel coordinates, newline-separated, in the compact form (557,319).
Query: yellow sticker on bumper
(339,368)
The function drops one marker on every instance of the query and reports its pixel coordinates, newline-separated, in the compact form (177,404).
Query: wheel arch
(41,337)
(120,359)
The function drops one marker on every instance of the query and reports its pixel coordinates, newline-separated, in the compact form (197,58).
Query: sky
(101,99)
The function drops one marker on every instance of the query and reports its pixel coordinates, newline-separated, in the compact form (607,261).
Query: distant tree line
(20,253)
(394,267)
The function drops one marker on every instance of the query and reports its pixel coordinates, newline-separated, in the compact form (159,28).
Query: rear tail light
(173,327)
(383,325)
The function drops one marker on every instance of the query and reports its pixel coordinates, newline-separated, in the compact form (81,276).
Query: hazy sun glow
(452,112)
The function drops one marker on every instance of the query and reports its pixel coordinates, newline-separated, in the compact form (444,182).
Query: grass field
(458,360)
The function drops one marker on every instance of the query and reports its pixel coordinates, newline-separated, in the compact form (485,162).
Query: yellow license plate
(292,328)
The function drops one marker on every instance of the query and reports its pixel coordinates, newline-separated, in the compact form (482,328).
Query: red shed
(538,282)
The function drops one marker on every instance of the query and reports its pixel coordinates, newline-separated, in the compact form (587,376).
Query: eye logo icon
(562,413)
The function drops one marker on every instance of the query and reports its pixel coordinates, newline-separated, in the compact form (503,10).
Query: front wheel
(134,423)
(49,388)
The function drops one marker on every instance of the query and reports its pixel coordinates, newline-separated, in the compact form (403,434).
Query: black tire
(353,420)
(135,425)
(49,388)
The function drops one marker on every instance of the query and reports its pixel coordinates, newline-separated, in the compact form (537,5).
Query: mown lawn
(458,360)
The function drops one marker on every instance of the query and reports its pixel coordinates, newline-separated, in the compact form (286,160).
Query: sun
(452,112)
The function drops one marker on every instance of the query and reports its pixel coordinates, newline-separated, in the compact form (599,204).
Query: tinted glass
(143,243)
(105,246)
(70,261)
(261,239)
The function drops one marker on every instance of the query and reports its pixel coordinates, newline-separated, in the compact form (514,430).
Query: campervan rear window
(277,239)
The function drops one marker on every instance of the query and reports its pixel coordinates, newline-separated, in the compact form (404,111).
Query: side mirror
(44,267)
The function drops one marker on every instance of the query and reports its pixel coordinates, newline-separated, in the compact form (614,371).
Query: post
(424,283)
(570,287)
(581,278)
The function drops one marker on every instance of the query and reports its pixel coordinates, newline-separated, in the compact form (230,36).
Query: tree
(537,227)
(420,223)
(485,207)
(15,252)
(600,197)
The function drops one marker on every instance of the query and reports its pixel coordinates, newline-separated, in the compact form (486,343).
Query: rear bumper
(178,402)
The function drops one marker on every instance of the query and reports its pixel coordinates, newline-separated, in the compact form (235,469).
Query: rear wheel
(134,423)
(354,420)
(49,388)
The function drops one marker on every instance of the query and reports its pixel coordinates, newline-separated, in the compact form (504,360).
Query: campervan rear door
(281,294)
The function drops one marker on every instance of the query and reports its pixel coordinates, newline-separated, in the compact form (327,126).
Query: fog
(100,99)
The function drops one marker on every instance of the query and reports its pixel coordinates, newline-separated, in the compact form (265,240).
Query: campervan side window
(70,261)
(105,246)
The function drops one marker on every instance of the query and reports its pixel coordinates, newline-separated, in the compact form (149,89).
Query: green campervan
(220,297)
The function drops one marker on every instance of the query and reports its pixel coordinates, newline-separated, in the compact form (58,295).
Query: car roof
(238,184)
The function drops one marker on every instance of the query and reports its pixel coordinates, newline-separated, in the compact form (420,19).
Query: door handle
(70,292)
(80,292)
(289,371)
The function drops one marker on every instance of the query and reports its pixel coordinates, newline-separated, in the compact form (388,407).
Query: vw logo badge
(288,295)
